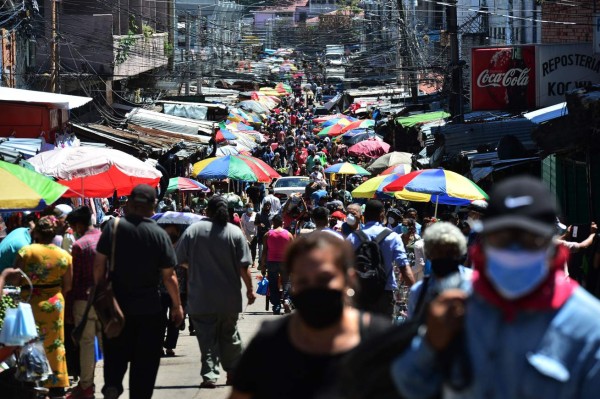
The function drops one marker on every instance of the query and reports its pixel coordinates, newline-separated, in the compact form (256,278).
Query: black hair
(277,220)
(217,210)
(320,214)
(373,210)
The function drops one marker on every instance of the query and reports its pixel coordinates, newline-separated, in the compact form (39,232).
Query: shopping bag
(8,335)
(32,364)
(25,324)
(263,286)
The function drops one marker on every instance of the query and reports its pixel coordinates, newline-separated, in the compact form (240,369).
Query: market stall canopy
(185,184)
(547,114)
(390,159)
(181,218)
(23,189)
(347,168)
(41,97)
(237,167)
(95,172)
(371,148)
(419,119)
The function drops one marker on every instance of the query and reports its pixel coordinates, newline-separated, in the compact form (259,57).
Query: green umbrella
(23,189)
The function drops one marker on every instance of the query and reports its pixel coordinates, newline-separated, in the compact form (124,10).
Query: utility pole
(54,58)
(455,101)
(187,53)
(199,60)
(405,56)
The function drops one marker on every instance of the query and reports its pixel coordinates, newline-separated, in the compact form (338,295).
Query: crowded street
(299,199)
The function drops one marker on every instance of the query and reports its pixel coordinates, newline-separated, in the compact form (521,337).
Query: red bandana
(552,294)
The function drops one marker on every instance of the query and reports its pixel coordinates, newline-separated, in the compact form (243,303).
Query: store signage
(563,68)
(503,78)
(596,36)
(520,78)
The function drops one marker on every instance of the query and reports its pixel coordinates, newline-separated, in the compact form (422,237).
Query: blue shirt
(552,354)
(10,246)
(392,249)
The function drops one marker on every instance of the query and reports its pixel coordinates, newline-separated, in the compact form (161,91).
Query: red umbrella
(371,148)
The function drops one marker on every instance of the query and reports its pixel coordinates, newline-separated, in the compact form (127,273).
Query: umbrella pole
(437,198)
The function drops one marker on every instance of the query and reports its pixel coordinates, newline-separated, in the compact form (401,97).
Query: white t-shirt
(248,226)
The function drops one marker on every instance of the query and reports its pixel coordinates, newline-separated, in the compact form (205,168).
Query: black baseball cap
(522,202)
(82,214)
(143,193)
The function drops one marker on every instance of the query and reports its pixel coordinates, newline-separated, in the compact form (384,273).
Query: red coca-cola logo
(503,78)
(510,78)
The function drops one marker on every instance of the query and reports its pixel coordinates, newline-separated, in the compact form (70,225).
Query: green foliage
(168,49)
(147,31)
(5,303)
(124,48)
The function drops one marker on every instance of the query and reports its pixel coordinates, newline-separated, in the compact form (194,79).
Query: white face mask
(391,220)
(351,220)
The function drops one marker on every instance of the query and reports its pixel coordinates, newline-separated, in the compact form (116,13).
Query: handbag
(263,286)
(105,303)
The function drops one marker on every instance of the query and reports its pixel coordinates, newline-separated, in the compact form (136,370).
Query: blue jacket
(541,354)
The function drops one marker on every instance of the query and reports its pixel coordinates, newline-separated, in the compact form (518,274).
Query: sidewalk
(179,376)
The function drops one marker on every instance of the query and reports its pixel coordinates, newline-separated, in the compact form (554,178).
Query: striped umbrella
(438,183)
(374,188)
(237,167)
(224,134)
(401,169)
(347,168)
(23,189)
(333,130)
(360,124)
(185,184)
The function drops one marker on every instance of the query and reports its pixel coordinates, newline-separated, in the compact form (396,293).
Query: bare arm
(247,278)
(99,268)
(172,286)
(67,280)
(235,394)
(407,275)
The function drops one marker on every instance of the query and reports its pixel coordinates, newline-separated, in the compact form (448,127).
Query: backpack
(370,268)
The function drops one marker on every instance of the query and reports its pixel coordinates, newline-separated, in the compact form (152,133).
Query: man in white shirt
(274,201)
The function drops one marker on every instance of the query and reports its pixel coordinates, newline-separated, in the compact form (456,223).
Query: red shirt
(84,253)
(301,156)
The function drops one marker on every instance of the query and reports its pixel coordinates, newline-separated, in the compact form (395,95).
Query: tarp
(418,119)
(546,114)
(186,111)
(41,97)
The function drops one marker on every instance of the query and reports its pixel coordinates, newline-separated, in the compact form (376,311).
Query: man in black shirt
(143,254)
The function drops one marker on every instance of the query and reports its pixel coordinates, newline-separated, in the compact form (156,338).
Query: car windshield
(291,183)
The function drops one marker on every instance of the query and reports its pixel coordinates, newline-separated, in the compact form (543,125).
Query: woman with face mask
(302,353)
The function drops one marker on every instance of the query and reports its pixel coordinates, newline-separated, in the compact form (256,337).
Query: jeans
(273,272)
(140,344)
(87,354)
(219,341)
(172,330)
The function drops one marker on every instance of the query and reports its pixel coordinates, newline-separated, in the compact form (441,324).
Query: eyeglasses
(522,238)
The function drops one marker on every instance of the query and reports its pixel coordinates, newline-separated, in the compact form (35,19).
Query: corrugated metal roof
(547,114)
(169,123)
(470,136)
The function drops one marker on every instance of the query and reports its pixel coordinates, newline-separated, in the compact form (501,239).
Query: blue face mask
(516,272)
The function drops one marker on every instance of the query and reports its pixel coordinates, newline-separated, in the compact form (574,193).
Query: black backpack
(370,268)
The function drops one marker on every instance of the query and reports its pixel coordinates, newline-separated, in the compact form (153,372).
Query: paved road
(179,377)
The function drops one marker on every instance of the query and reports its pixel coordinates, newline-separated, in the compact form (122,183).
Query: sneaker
(208,384)
(169,353)
(80,393)
(286,306)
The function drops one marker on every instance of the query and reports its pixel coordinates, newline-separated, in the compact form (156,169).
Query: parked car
(288,185)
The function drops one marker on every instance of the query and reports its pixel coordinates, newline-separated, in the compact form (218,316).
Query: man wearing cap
(524,331)
(143,252)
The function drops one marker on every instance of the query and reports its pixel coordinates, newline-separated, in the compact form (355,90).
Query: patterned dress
(45,265)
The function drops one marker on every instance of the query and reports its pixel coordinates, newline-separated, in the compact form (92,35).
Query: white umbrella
(95,172)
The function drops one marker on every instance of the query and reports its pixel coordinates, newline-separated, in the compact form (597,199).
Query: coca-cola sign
(503,78)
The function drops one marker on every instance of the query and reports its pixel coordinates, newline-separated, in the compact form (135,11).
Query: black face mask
(444,267)
(319,307)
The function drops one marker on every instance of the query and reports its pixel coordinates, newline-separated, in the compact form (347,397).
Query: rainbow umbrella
(439,183)
(346,121)
(23,189)
(401,169)
(238,126)
(237,167)
(185,184)
(333,130)
(373,188)
(347,168)
(224,134)
(360,124)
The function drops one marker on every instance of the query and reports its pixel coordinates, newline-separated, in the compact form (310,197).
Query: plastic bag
(263,286)
(19,326)
(32,364)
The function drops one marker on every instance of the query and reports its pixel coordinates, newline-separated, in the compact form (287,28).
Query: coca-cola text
(510,78)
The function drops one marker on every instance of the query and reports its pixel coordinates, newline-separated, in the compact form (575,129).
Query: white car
(288,185)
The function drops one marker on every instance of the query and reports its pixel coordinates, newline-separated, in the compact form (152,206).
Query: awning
(418,119)
(41,97)
(546,114)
